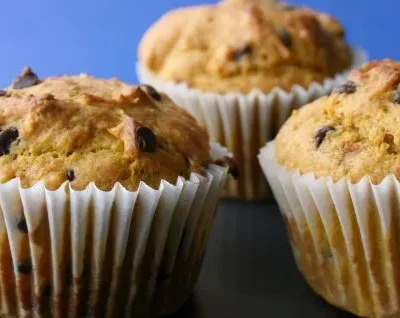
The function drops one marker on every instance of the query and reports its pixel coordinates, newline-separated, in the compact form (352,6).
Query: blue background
(100,37)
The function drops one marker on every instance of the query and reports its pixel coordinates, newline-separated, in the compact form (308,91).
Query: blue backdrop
(100,37)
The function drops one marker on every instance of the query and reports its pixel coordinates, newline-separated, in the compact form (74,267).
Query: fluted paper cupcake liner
(244,123)
(345,237)
(91,253)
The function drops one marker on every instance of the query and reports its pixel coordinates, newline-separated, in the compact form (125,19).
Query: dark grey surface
(249,270)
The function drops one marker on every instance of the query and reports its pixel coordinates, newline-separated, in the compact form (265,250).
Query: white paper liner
(244,123)
(95,253)
(344,236)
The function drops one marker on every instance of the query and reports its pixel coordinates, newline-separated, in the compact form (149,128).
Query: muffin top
(355,132)
(240,45)
(84,129)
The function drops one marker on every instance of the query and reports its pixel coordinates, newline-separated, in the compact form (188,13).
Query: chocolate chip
(48,97)
(25,267)
(7,137)
(230,163)
(70,174)
(245,50)
(321,134)
(349,87)
(389,140)
(26,79)
(396,97)
(2,93)
(22,226)
(151,91)
(284,37)
(145,139)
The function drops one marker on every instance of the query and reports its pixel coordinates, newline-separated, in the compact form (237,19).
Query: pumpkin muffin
(245,45)
(240,67)
(334,168)
(107,195)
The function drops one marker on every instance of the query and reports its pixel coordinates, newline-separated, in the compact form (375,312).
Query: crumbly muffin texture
(354,132)
(241,45)
(83,129)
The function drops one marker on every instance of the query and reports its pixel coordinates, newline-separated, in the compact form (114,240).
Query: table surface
(249,270)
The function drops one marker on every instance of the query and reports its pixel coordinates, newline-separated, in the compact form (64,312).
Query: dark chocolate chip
(70,174)
(145,139)
(25,267)
(284,36)
(349,87)
(245,50)
(389,140)
(2,93)
(7,137)
(230,163)
(22,226)
(151,91)
(26,79)
(396,97)
(321,134)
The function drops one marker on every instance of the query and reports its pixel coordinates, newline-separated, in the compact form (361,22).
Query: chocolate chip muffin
(243,45)
(241,66)
(83,129)
(107,195)
(351,133)
(334,169)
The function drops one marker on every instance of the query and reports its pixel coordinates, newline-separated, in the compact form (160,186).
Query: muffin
(240,67)
(107,195)
(334,168)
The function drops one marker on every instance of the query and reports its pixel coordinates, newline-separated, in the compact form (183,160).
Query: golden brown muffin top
(354,132)
(84,129)
(240,45)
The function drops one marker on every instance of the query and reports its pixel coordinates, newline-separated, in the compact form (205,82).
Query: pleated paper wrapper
(244,123)
(92,253)
(345,237)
